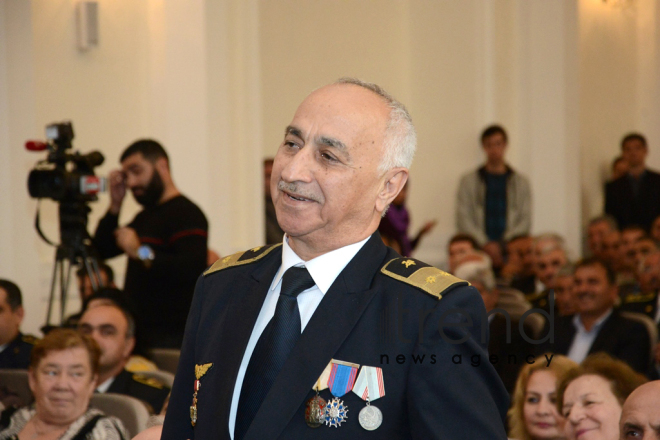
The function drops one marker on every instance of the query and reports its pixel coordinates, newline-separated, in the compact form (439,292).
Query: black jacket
(619,337)
(366,317)
(627,209)
(146,389)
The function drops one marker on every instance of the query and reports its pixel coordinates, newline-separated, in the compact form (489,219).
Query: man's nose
(299,167)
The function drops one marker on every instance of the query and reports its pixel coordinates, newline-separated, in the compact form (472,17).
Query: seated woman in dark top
(62,376)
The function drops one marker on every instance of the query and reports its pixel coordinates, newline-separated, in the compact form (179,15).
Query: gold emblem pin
(408,263)
(430,279)
(200,370)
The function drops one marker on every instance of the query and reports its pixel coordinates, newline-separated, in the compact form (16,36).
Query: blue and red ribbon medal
(370,386)
(341,380)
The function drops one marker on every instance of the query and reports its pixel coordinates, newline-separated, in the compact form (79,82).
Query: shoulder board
(639,298)
(29,339)
(241,258)
(421,275)
(536,295)
(149,381)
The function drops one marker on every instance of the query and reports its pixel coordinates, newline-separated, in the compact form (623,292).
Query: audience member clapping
(62,376)
(591,396)
(533,414)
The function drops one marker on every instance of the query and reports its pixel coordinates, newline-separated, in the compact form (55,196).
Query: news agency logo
(455,322)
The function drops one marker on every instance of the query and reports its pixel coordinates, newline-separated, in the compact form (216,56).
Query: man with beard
(165,243)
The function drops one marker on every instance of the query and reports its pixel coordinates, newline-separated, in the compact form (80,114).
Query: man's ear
(20,313)
(393,182)
(128,349)
(162,165)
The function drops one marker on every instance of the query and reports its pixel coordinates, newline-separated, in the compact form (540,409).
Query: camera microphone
(36,146)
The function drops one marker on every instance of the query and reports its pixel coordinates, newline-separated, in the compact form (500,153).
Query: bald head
(640,417)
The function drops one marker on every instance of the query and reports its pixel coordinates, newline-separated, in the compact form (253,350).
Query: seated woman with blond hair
(62,376)
(533,414)
(591,397)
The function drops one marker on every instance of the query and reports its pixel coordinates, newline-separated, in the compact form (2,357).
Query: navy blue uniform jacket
(366,317)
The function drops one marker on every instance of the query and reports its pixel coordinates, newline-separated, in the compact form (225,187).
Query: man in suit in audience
(114,330)
(598,326)
(549,257)
(15,347)
(634,199)
(265,323)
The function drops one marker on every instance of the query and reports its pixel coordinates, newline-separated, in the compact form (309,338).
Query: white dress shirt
(324,270)
(584,339)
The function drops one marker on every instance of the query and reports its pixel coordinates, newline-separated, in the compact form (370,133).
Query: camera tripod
(75,250)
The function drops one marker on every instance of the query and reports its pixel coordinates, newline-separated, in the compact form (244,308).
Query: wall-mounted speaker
(87,24)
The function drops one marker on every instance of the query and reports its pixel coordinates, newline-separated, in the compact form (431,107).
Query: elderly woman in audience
(533,414)
(62,376)
(591,396)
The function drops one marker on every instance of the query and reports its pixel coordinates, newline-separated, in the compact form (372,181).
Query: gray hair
(477,272)
(554,242)
(400,136)
(567,270)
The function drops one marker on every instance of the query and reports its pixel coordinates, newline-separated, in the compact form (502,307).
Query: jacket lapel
(238,329)
(606,335)
(341,307)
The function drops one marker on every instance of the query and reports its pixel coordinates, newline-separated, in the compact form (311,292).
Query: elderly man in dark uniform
(15,347)
(331,334)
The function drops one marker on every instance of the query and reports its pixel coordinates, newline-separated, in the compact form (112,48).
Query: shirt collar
(324,269)
(105,385)
(597,325)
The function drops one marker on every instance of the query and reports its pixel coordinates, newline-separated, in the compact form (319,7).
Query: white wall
(217,81)
(619,87)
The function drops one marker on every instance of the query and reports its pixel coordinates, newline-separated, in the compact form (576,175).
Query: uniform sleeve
(177,424)
(448,400)
(466,221)
(104,237)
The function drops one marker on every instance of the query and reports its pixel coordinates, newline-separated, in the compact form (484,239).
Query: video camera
(69,179)
(64,176)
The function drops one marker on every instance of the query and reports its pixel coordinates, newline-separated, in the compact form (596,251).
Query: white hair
(546,243)
(477,272)
(400,136)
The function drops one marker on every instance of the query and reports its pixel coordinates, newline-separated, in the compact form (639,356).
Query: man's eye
(290,144)
(108,332)
(50,372)
(633,433)
(328,157)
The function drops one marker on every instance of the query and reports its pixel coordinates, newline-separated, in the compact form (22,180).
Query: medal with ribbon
(341,380)
(315,409)
(370,386)
(200,370)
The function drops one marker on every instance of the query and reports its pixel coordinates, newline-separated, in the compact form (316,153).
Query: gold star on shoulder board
(430,280)
(408,263)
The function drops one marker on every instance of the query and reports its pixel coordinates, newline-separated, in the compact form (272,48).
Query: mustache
(297,190)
